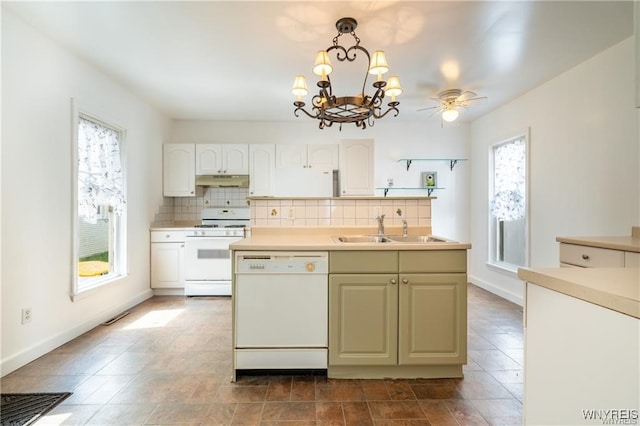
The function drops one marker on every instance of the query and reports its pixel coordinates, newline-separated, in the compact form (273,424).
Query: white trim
(498,291)
(77,110)
(96,284)
(504,269)
(42,347)
(526,134)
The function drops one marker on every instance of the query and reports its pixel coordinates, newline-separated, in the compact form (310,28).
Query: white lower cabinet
(581,360)
(575,255)
(167,259)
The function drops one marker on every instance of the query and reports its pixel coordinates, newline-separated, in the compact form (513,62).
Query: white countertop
(617,289)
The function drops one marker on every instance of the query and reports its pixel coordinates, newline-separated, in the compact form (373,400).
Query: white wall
(584,166)
(38,81)
(450,211)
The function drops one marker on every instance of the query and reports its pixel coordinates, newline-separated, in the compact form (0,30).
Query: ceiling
(236,60)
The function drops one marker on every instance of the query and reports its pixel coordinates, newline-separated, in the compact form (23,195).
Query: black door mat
(18,409)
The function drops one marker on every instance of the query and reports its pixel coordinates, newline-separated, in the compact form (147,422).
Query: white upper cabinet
(221,159)
(356,167)
(262,167)
(178,170)
(305,156)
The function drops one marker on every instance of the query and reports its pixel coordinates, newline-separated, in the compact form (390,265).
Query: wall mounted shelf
(429,190)
(452,161)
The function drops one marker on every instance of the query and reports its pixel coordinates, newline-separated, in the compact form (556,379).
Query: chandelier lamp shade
(360,109)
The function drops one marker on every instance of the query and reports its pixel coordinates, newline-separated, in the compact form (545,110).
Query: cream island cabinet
(394,310)
(397,313)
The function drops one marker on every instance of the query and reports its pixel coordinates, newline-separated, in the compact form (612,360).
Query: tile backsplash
(298,211)
(190,208)
(339,212)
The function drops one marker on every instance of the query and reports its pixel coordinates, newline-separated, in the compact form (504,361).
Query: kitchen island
(395,309)
(582,345)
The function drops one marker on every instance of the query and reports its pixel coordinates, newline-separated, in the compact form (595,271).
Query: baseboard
(35,351)
(168,291)
(512,297)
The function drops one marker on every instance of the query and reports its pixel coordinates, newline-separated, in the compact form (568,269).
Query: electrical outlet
(26,315)
(292,212)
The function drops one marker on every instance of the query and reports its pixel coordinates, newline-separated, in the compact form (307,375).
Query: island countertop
(617,289)
(322,239)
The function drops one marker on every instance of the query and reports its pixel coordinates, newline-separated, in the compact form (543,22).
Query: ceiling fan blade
(427,108)
(477,98)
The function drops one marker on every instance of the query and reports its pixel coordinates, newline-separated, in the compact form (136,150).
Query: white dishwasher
(281,310)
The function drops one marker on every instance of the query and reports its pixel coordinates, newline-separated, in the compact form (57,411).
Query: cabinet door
(261,169)
(178,170)
(363,319)
(166,265)
(291,156)
(235,159)
(356,167)
(323,155)
(432,319)
(208,159)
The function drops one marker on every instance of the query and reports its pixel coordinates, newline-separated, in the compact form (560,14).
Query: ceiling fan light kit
(451,102)
(360,109)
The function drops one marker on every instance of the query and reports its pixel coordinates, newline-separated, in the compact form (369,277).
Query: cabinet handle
(405,281)
(585,256)
(167,236)
(393,281)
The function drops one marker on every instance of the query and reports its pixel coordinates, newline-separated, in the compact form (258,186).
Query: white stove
(207,255)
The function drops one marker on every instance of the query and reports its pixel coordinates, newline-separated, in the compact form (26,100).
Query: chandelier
(360,109)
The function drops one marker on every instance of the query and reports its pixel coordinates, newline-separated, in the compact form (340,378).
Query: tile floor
(169,362)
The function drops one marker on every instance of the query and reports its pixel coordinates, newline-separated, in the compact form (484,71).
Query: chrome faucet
(380,219)
(405,228)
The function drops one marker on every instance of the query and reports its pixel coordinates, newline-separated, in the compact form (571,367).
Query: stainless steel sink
(415,239)
(362,239)
(422,239)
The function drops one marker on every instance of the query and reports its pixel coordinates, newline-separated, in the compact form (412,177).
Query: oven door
(208,258)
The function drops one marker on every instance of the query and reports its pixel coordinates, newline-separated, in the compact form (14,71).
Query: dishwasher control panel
(282,262)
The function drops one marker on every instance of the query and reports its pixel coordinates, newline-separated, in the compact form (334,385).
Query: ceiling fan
(451,101)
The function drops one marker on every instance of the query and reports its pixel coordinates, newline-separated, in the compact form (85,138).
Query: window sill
(95,285)
(504,268)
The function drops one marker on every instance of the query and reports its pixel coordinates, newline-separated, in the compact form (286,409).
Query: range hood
(223,181)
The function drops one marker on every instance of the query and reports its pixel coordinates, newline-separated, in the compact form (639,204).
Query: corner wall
(38,81)
(584,169)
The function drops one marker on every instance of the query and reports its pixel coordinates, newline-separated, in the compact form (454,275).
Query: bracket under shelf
(452,161)
(429,190)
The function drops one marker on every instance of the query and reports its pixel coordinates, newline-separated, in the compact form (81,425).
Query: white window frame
(492,234)
(81,287)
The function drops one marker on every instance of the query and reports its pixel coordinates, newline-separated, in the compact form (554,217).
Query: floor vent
(116,318)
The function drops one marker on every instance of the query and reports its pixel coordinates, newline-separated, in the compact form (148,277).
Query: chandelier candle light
(360,109)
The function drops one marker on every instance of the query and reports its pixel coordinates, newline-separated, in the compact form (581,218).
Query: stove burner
(235,226)
(205,226)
